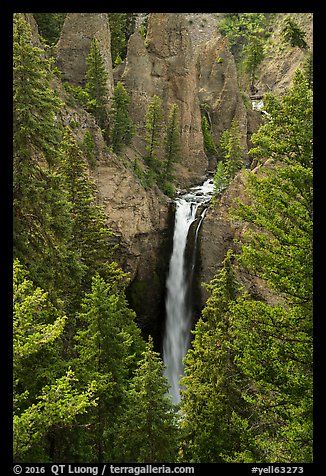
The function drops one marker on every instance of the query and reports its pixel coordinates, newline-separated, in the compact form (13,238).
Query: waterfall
(178,322)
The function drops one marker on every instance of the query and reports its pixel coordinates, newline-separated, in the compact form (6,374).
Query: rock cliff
(276,73)
(138,217)
(74,44)
(218,90)
(182,66)
(281,61)
(165,65)
(219,233)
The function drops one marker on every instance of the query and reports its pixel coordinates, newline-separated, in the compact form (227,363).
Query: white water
(178,312)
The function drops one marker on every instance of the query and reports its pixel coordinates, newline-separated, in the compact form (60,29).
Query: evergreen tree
(232,153)
(108,346)
(96,85)
(122,25)
(90,234)
(274,343)
(41,210)
(221,180)
(150,414)
(212,393)
(122,127)
(209,144)
(273,348)
(292,34)
(88,147)
(154,129)
(254,54)
(43,398)
(282,251)
(308,69)
(287,134)
(172,146)
(50,25)
(242,28)
(248,383)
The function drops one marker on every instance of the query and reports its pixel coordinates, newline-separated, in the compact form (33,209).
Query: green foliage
(282,253)
(221,179)
(42,399)
(81,329)
(122,127)
(248,376)
(209,145)
(41,208)
(308,69)
(247,34)
(108,346)
(163,145)
(90,235)
(242,28)
(254,54)
(212,383)
(278,248)
(154,128)
(117,23)
(172,147)
(83,375)
(88,147)
(96,84)
(77,96)
(122,25)
(287,134)
(232,154)
(50,25)
(150,414)
(292,34)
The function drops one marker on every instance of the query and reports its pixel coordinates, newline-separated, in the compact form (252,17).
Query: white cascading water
(176,339)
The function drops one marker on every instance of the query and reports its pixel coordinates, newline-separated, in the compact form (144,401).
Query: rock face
(281,61)
(277,69)
(167,67)
(74,44)
(28,17)
(140,220)
(218,88)
(138,217)
(218,233)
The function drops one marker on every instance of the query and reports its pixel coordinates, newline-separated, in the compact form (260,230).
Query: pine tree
(41,210)
(308,69)
(50,25)
(150,414)
(43,397)
(292,34)
(108,345)
(231,160)
(118,26)
(172,146)
(89,149)
(209,144)
(212,384)
(254,54)
(154,129)
(90,238)
(274,343)
(96,85)
(122,127)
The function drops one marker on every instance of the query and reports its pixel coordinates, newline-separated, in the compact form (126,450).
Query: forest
(88,379)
